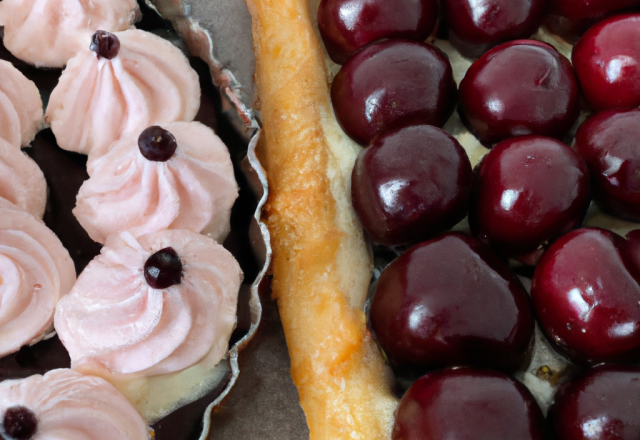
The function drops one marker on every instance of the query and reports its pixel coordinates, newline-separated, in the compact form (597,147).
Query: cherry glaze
(163,269)
(348,25)
(475,27)
(587,298)
(411,184)
(157,144)
(451,301)
(468,404)
(392,83)
(105,45)
(609,143)
(602,403)
(607,63)
(518,88)
(528,190)
(20,423)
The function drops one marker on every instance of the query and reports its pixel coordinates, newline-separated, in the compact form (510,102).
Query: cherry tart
(528,191)
(607,62)
(586,294)
(518,88)
(601,403)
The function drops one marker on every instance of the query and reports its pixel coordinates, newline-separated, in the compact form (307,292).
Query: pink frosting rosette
(116,87)
(20,106)
(64,404)
(193,187)
(35,272)
(21,180)
(47,33)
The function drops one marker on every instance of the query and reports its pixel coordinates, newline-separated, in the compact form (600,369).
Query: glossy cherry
(393,83)
(589,9)
(607,63)
(586,295)
(602,403)
(105,45)
(475,27)
(518,88)
(348,25)
(163,269)
(468,404)
(20,423)
(411,184)
(157,144)
(528,191)
(451,301)
(609,143)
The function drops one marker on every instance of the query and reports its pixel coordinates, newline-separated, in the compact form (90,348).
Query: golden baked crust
(322,264)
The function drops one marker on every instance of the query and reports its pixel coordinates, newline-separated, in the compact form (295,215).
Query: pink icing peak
(105,45)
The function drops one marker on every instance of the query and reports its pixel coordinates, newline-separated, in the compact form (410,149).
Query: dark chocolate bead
(20,423)
(157,144)
(163,269)
(105,44)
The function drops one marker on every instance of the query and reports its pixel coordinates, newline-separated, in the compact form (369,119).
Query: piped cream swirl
(69,405)
(195,189)
(47,33)
(98,101)
(35,272)
(20,106)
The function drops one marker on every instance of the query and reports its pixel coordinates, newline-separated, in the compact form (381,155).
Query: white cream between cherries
(35,272)
(195,189)
(47,33)
(98,101)
(20,106)
(68,405)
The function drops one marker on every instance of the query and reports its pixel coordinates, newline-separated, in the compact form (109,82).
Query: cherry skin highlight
(163,269)
(348,25)
(157,144)
(603,403)
(20,423)
(528,191)
(451,301)
(607,63)
(105,45)
(518,88)
(609,143)
(411,184)
(465,403)
(586,295)
(393,83)
(475,27)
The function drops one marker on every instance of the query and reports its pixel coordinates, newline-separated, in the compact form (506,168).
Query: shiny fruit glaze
(451,301)
(601,403)
(468,404)
(607,63)
(609,143)
(527,191)
(393,83)
(348,25)
(586,295)
(589,9)
(475,27)
(518,88)
(411,184)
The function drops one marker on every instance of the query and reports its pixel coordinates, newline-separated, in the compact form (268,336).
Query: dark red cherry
(475,27)
(518,88)
(105,45)
(609,143)
(392,83)
(163,269)
(348,25)
(20,423)
(528,191)
(602,403)
(411,184)
(607,63)
(589,9)
(468,404)
(586,295)
(451,301)
(157,144)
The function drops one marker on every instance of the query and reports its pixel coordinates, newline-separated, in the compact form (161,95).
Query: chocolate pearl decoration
(20,423)
(163,269)
(157,144)
(105,44)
